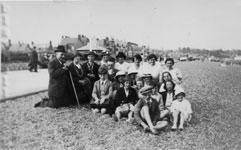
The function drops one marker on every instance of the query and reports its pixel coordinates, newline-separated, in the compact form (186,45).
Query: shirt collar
(150,100)
(102,81)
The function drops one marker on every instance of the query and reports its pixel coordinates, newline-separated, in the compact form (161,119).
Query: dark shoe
(180,129)
(173,129)
(115,118)
(147,129)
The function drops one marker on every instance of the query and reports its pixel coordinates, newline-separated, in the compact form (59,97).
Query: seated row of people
(142,102)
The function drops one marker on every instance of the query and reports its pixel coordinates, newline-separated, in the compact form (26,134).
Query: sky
(161,24)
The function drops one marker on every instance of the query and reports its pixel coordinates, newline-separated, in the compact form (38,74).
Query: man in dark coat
(33,60)
(91,68)
(58,81)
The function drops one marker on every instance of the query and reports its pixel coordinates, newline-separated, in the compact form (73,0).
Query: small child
(102,92)
(181,107)
(125,99)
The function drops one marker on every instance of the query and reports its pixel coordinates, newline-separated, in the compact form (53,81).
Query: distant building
(20,47)
(74,43)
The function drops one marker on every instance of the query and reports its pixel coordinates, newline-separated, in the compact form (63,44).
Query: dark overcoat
(57,79)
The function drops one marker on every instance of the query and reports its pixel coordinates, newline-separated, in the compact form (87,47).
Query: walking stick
(76,96)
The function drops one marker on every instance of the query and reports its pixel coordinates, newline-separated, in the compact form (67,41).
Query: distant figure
(33,60)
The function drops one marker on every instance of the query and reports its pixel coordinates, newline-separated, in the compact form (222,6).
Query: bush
(15,57)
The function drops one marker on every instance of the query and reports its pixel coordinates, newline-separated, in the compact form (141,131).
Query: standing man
(58,79)
(33,60)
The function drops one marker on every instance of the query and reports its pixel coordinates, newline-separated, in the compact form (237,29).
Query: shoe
(154,131)
(181,129)
(115,118)
(173,129)
(146,129)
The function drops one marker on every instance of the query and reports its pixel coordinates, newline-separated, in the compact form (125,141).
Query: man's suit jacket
(57,79)
(164,96)
(121,97)
(153,110)
(108,89)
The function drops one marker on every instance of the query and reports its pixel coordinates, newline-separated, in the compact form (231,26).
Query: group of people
(147,93)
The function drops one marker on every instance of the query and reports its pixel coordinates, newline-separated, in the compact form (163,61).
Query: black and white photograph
(120,75)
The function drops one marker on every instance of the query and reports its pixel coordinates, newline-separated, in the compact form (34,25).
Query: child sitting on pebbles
(102,92)
(181,107)
(125,99)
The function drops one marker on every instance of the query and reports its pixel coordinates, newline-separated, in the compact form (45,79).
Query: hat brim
(59,50)
(146,92)
(181,93)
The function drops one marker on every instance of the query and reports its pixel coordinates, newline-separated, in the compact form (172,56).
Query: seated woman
(147,78)
(168,94)
(102,92)
(166,76)
(81,82)
(125,99)
(147,112)
(119,82)
(181,108)
(132,74)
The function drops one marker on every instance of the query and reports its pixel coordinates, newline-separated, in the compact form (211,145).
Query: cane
(76,96)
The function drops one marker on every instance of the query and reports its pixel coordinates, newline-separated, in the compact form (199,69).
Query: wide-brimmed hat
(77,55)
(105,53)
(121,55)
(60,48)
(132,71)
(91,53)
(102,70)
(111,59)
(180,91)
(146,89)
(146,75)
(120,73)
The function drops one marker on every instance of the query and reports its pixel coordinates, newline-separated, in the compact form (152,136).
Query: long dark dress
(83,91)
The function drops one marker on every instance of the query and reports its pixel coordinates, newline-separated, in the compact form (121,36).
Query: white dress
(184,107)
(122,67)
(155,70)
